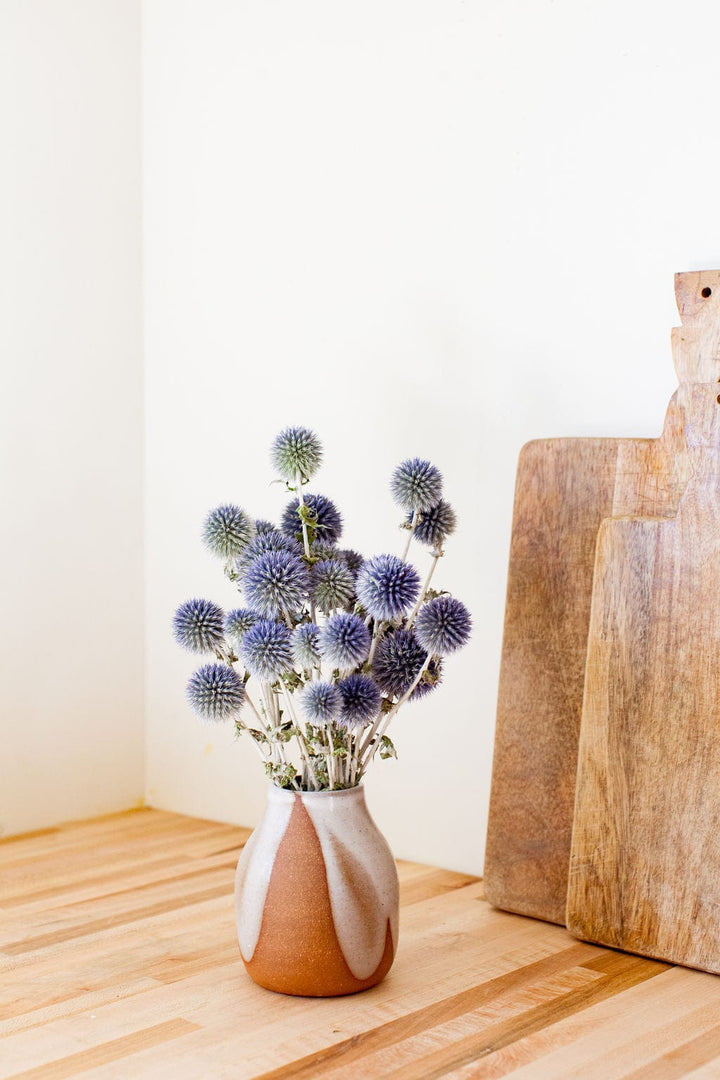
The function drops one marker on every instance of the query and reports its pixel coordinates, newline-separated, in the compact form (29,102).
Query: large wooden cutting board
(564,490)
(645,866)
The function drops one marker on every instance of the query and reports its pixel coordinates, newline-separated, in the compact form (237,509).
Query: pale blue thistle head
(238,622)
(321,702)
(296,453)
(416,485)
(443,625)
(270,540)
(345,640)
(305,645)
(435,524)
(361,699)
(326,519)
(275,583)
(387,587)
(398,660)
(216,692)
(198,626)
(266,651)
(227,530)
(332,584)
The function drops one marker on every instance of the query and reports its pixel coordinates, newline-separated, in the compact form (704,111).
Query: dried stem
(370,744)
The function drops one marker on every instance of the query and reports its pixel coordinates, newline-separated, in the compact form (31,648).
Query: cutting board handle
(696,353)
(696,343)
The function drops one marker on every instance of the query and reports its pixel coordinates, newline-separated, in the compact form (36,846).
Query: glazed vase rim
(284,793)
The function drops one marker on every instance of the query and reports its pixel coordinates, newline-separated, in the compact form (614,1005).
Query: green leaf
(283,733)
(284,774)
(387,750)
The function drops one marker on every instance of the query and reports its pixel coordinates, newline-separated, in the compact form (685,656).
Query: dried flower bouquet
(327,646)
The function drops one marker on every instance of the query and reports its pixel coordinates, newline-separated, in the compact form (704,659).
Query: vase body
(316,895)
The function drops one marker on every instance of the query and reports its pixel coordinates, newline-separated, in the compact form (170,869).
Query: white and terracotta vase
(316,895)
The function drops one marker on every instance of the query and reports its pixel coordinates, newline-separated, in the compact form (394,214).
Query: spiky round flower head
(443,625)
(353,559)
(305,644)
(435,524)
(325,515)
(333,585)
(238,622)
(361,699)
(198,626)
(322,550)
(262,526)
(271,540)
(227,530)
(398,661)
(387,586)
(265,650)
(295,453)
(345,640)
(321,702)
(216,692)
(416,484)
(275,583)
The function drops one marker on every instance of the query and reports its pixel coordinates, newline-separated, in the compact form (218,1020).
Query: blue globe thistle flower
(333,585)
(262,526)
(227,530)
(271,540)
(435,524)
(275,583)
(328,521)
(345,640)
(198,626)
(216,692)
(361,699)
(443,625)
(321,702)
(322,550)
(387,587)
(295,452)
(416,485)
(398,660)
(266,651)
(305,645)
(238,622)
(353,559)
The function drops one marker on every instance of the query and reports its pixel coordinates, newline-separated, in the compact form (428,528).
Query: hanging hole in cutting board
(706,292)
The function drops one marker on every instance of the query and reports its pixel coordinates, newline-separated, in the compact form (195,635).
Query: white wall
(428,227)
(71,633)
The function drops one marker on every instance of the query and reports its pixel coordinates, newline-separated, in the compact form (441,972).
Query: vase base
(317,980)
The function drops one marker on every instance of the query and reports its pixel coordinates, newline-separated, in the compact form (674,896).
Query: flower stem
(306,540)
(377,634)
(423,592)
(300,738)
(411,527)
(370,744)
(277,753)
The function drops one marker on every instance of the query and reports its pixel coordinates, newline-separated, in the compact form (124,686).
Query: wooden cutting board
(564,490)
(645,865)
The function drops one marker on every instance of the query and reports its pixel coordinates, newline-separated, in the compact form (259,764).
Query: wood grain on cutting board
(645,866)
(564,490)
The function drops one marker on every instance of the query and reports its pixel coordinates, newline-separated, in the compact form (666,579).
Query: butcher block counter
(118,959)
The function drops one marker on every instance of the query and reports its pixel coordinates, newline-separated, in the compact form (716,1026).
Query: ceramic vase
(316,895)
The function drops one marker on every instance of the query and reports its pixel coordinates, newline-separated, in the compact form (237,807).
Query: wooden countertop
(118,961)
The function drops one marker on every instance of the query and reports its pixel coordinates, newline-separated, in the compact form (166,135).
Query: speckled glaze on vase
(316,895)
